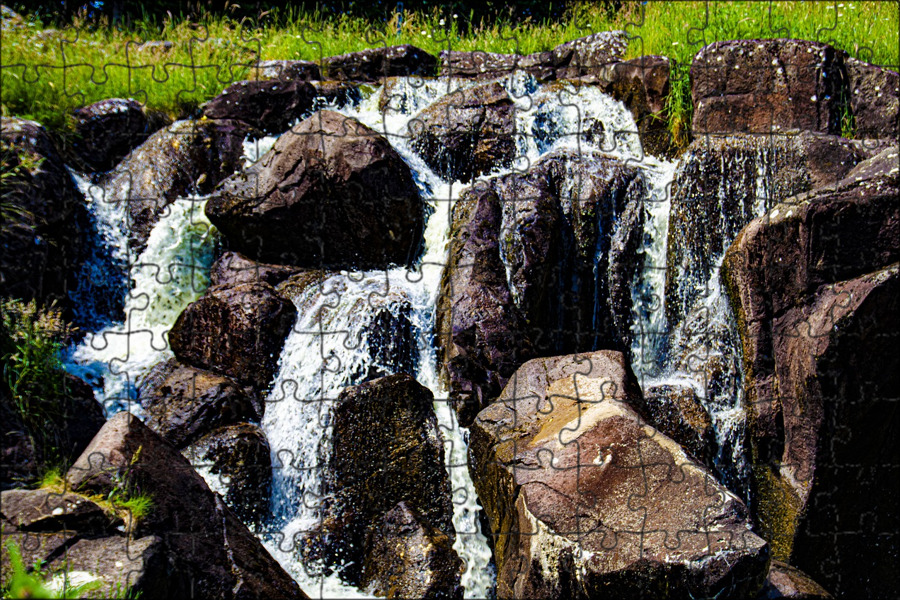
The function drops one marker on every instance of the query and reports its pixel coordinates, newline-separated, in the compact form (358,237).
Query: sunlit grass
(46,74)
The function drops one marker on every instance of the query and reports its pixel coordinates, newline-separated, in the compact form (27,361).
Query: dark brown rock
(233,268)
(386,448)
(573,482)
(814,287)
(205,544)
(467,132)
(292,70)
(587,55)
(183,403)
(108,130)
(235,331)
(675,411)
(490,65)
(529,273)
(374,64)
(238,455)
(874,99)
(642,84)
(407,558)
(269,106)
(43,216)
(784,581)
(767,86)
(332,194)
(46,510)
(186,157)
(725,181)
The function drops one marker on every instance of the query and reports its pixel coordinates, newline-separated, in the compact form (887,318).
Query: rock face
(233,268)
(641,84)
(183,403)
(409,559)
(289,70)
(573,482)
(583,56)
(540,263)
(54,430)
(725,181)
(386,448)
(40,238)
(187,157)
(874,99)
(108,130)
(332,194)
(467,132)
(269,106)
(203,545)
(814,287)
(766,86)
(374,64)
(239,456)
(676,411)
(68,532)
(235,331)
(784,581)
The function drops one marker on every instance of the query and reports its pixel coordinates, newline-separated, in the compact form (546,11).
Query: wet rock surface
(333,194)
(233,268)
(407,558)
(184,158)
(108,130)
(374,64)
(767,86)
(386,448)
(818,322)
(269,106)
(874,99)
(235,331)
(466,133)
(540,263)
(187,538)
(563,465)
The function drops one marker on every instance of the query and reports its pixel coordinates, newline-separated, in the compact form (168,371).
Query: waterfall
(169,274)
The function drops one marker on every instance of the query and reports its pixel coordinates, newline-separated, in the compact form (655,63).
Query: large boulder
(374,64)
(106,131)
(767,86)
(407,558)
(386,448)
(784,581)
(236,462)
(586,500)
(814,287)
(269,106)
(204,544)
(874,99)
(43,216)
(723,182)
(587,55)
(332,194)
(676,411)
(51,430)
(540,263)
(235,331)
(467,132)
(288,70)
(183,403)
(186,157)
(74,537)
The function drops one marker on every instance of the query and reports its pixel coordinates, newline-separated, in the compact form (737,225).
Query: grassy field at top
(48,73)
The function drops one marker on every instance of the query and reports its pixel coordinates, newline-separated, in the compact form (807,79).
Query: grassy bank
(48,73)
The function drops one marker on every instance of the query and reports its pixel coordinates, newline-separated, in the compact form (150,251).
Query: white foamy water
(170,273)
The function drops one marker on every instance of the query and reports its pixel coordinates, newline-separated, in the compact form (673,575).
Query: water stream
(329,347)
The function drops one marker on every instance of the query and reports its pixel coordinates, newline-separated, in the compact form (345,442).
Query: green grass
(47,74)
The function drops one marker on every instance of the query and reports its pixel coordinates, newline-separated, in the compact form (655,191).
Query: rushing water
(329,347)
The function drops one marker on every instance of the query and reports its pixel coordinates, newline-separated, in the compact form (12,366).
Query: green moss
(778,511)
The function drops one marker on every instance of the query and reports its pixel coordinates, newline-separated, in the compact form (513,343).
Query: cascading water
(170,273)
